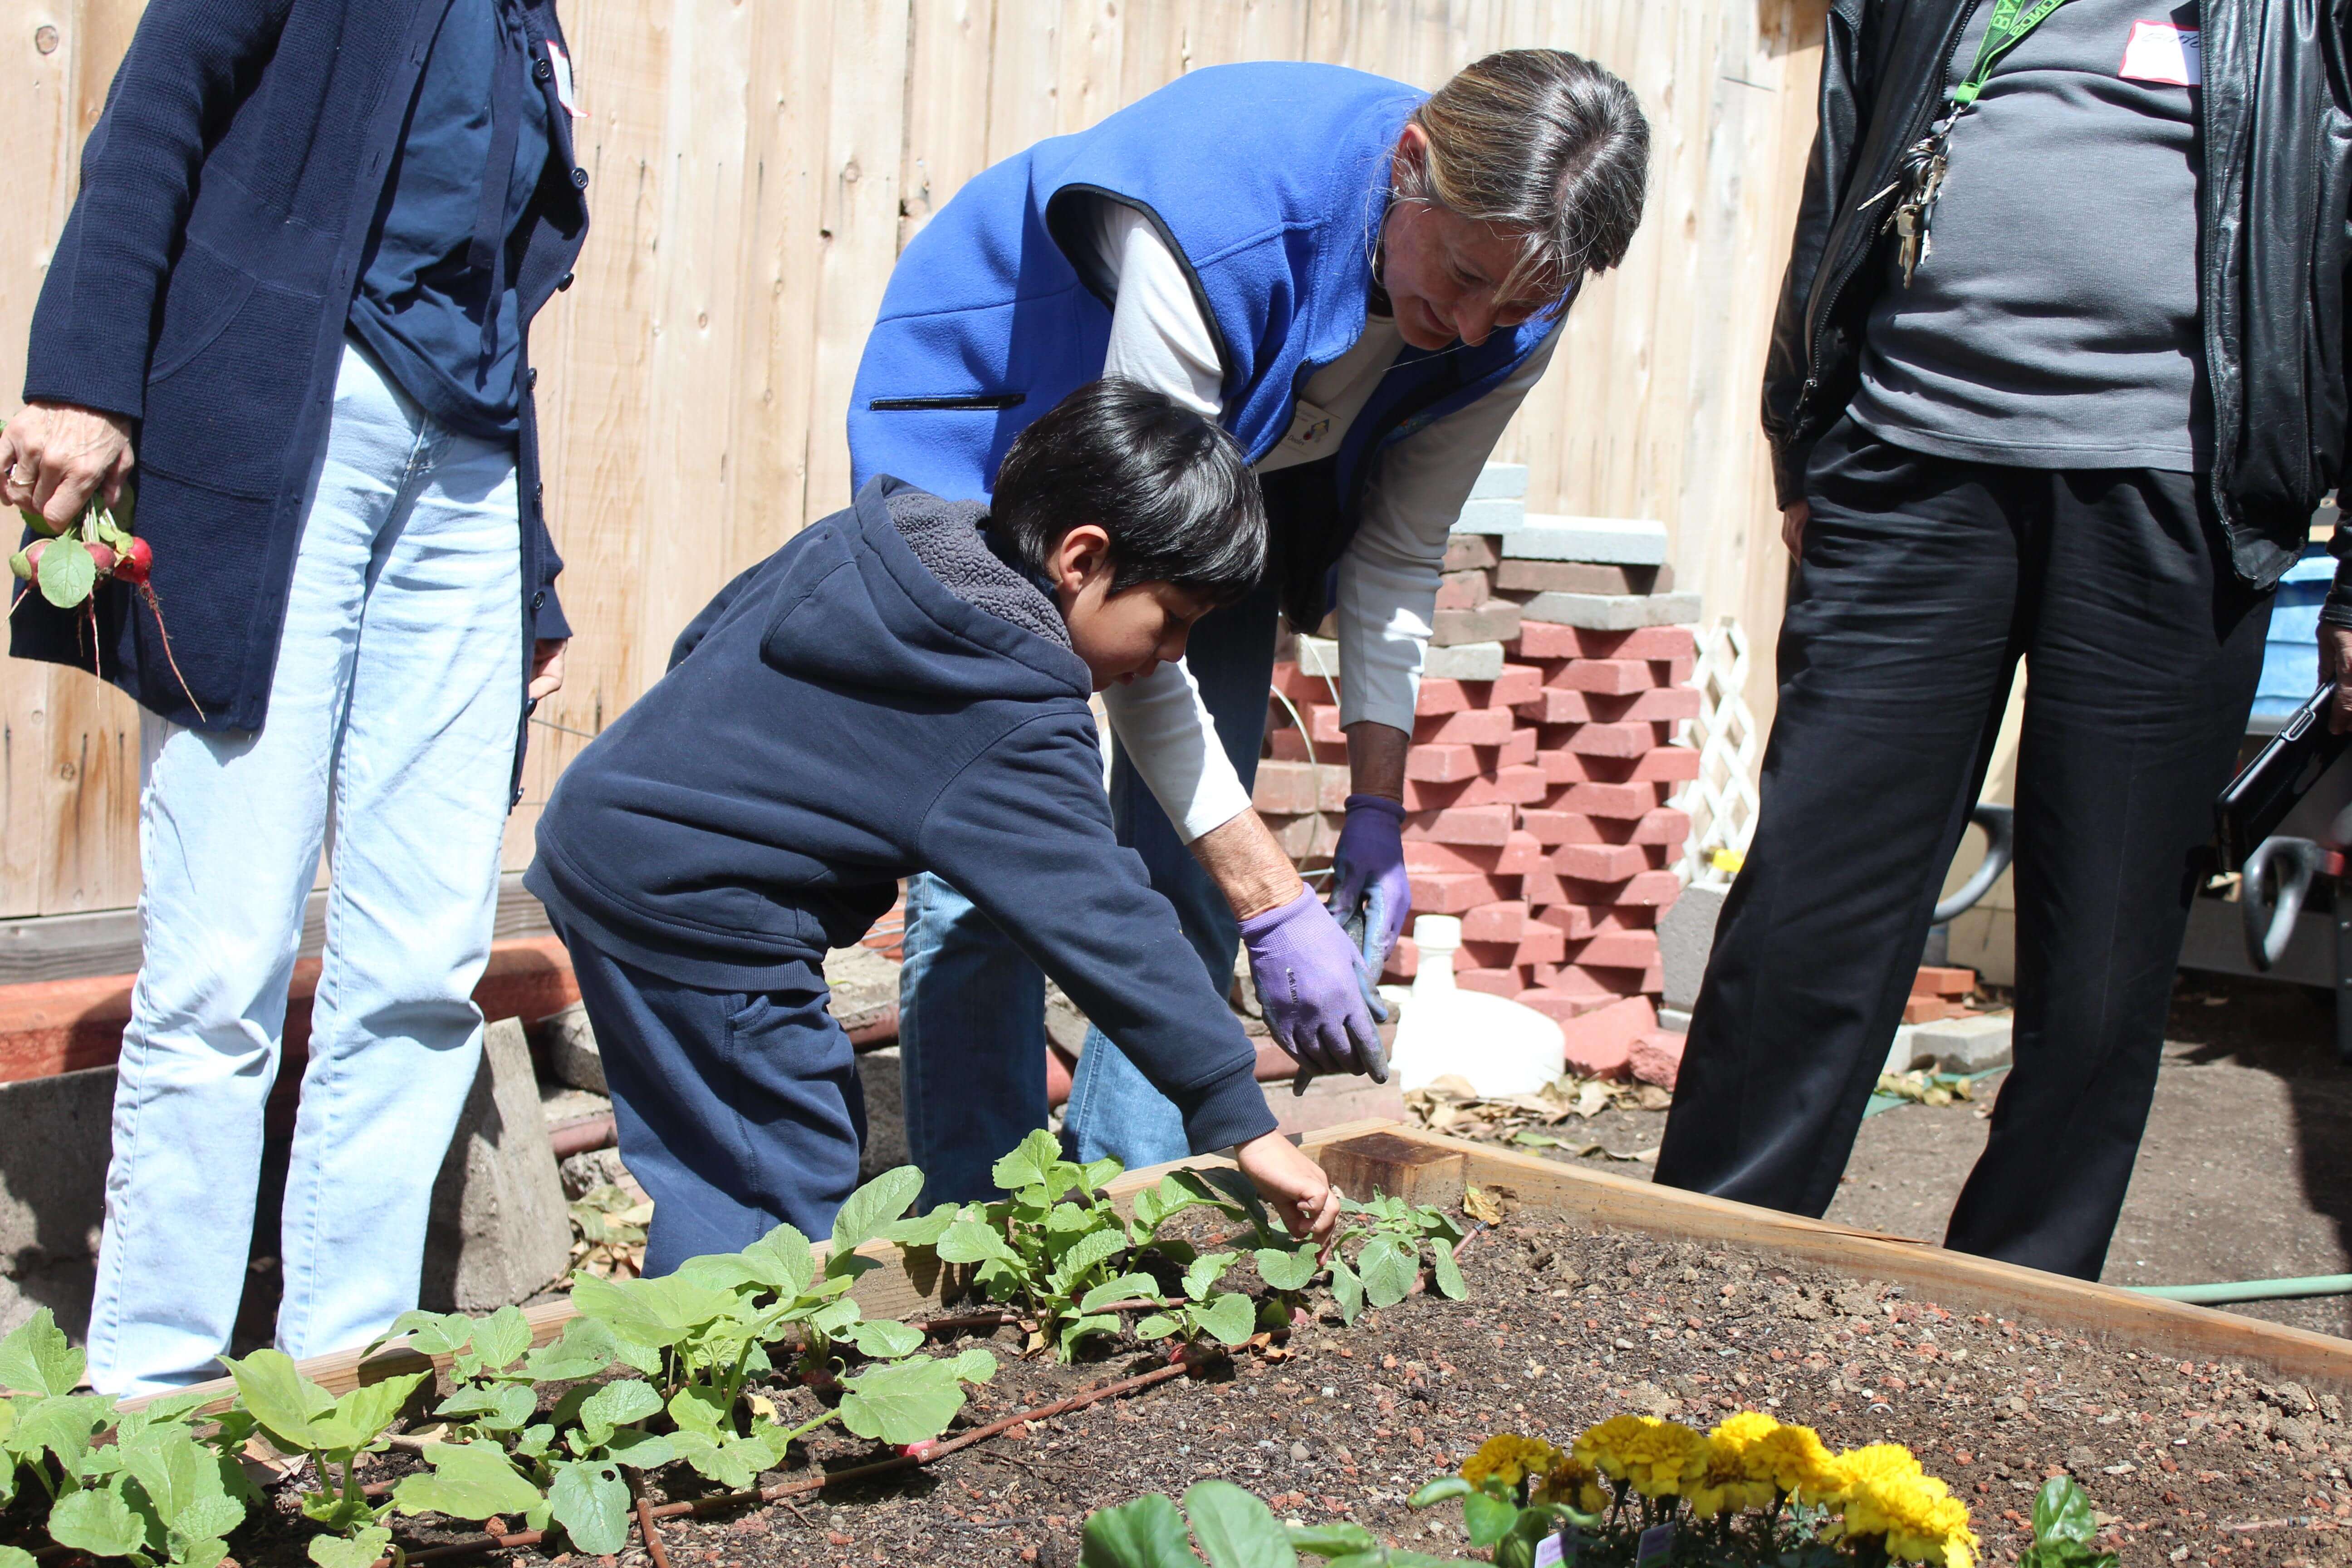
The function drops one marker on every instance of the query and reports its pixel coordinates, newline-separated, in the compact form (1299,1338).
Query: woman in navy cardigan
(309,238)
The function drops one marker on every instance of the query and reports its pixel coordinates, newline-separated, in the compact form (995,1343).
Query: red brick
(1668,764)
(1300,686)
(1541,639)
(1486,955)
(1323,723)
(1665,704)
(1622,740)
(1549,827)
(1585,979)
(1405,961)
(1471,727)
(1518,750)
(1653,890)
(1451,892)
(1291,746)
(1619,800)
(1497,620)
(1610,677)
(1600,1043)
(1442,764)
(1499,922)
(1600,862)
(1931,1009)
(1517,683)
(1540,943)
(1560,1007)
(1580,642)
(1504,983)
(1665,825)
(1581,915)
(1938,981)
(1308,838)
(1463,590)
(1422,794)
(1542,886)
(1483,859)
(1616,950)
(1575,767)
(1519,855)
(1657,1058)
(1521,784)
(1441,695)
(1554,705)
(1285,789)
(1469,553)
(1654,980)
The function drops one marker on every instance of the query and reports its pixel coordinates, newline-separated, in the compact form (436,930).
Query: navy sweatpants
(737,1112)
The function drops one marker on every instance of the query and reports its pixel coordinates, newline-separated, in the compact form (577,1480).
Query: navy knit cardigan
(201,287)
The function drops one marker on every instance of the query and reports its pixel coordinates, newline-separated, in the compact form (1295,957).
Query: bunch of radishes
(67,565)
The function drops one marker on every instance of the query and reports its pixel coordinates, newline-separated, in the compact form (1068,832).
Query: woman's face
(1442,271)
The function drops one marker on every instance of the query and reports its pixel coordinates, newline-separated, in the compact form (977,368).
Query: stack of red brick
(1537,800)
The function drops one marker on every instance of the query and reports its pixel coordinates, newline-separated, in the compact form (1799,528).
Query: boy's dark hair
(1175,492)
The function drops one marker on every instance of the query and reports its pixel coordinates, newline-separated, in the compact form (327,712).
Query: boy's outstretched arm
(1295,1186)
(1024,831)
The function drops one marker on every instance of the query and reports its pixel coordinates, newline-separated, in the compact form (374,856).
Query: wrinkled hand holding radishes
(68,566)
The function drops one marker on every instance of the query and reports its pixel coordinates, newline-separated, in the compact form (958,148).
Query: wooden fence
(755,167)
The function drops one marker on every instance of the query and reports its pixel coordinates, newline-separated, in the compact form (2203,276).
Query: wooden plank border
(1360,1149)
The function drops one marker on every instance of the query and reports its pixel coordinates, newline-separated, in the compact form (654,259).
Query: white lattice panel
(1722,800)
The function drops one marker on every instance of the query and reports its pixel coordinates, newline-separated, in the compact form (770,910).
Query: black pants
(1924,582)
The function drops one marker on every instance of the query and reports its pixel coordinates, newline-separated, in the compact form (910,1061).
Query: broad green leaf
(971,1241)
(617,1404)
(535,1441)
(586,1347)
(1205,1272)
(1145,1533)
(1229,1319)
(591,1502)
(904,1402)
(732,1462)
(884,1341)
(98,1520)
(1331,1540)
(1235,1529)
(361,1415)
(1285,1269)
(1080,1328)
(1442,1490)
(976,1364)
(337,1511)
(1348,1291)
(1030,1164)
(501,1338)
(654,1313)
(37,1357)
(1157,1326)
(699,1408)
(836,1317)
(2061,1511)
(61,1425)
(1096,1174)
(640,1449)
(15,1557)
(68,573)
(1388,1271)
(357,1552)
(1088,1254)
(501,1407)
(207,1518)
(430,1333)
(871,1207)
(783,1259)
(290,1408)
(1488,1519)
(925,1231)
(182,1482)
(1446,1271)
(1126,1287)
(1066,1219)
(470,1480)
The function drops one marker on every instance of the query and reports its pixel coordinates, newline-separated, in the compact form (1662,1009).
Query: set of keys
(1923,181)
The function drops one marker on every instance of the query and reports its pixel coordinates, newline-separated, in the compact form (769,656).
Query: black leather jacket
(2276,196)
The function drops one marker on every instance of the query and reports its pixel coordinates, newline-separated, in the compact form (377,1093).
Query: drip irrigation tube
(2251,1290)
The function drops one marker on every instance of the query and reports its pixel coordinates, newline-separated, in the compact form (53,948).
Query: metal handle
(2271,913)
(2000,825)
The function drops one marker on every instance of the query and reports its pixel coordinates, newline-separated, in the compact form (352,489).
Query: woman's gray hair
(1543,143)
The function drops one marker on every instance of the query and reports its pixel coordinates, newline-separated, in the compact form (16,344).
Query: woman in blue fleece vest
(1361,282)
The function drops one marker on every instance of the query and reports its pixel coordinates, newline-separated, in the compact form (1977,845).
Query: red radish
(136,559)
(27,561)
(102,558)
(921,1451)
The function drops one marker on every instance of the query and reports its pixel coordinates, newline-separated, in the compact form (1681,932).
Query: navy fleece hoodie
(837,719)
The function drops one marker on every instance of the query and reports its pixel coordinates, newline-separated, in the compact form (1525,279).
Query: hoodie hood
(858,609)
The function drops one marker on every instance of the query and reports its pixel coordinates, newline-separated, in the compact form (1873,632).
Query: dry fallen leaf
(1481,1206)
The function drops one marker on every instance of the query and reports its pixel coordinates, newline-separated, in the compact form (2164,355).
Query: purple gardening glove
(1310,984)
(1368,875)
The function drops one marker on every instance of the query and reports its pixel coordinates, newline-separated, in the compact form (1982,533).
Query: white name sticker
(562,63)
(2160,52)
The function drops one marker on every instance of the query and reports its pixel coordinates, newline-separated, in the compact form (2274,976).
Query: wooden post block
(1397,1166)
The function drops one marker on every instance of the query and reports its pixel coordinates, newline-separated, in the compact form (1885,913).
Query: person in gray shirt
(2014,460)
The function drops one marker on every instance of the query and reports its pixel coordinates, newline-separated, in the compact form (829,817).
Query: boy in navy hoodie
(903,687)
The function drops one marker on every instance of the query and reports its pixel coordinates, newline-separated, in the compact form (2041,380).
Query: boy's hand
(1295,1186)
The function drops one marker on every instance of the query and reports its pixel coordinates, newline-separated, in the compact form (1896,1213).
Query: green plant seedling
(2065,1527)
(1392,1236)
(471,1481)
(300,1416)
(1232,1529)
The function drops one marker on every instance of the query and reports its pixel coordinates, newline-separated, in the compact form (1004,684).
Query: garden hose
(2251,1290)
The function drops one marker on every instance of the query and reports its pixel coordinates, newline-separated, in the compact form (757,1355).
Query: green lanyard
(2011,21)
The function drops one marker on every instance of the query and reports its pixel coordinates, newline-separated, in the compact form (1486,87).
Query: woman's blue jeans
(971,1005)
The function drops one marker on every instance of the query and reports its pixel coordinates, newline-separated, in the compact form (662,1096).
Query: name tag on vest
(2160,52)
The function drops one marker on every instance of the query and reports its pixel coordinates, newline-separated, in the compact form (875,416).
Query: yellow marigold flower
(1793,1459)
(1572,1483)
(1506,1458)
(1882,1491)
(1727,1483)
(1655,1456)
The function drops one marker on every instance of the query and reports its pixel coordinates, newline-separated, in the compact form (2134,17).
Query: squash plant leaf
(37,1357)
(470,1480)
(1235,1529)
(1145,1533)
(591,1504)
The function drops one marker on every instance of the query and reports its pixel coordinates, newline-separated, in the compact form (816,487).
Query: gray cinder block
(500,1230)
(1627,541)
(1465,661)
(886,1113)
(1500,481)
(1967,1045)
(53,1192)
(572,1058)
(1492,514)
(1613,612)
(1686,936)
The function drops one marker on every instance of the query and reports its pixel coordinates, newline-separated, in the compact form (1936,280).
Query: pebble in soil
(1564,1327)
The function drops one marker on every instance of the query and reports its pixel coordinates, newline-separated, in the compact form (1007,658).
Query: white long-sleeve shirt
(1388,574)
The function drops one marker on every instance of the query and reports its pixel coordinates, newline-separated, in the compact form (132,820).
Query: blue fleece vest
(1268,181)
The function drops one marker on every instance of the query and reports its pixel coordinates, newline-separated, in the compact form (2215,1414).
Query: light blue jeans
(392,715)
(971,1005)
